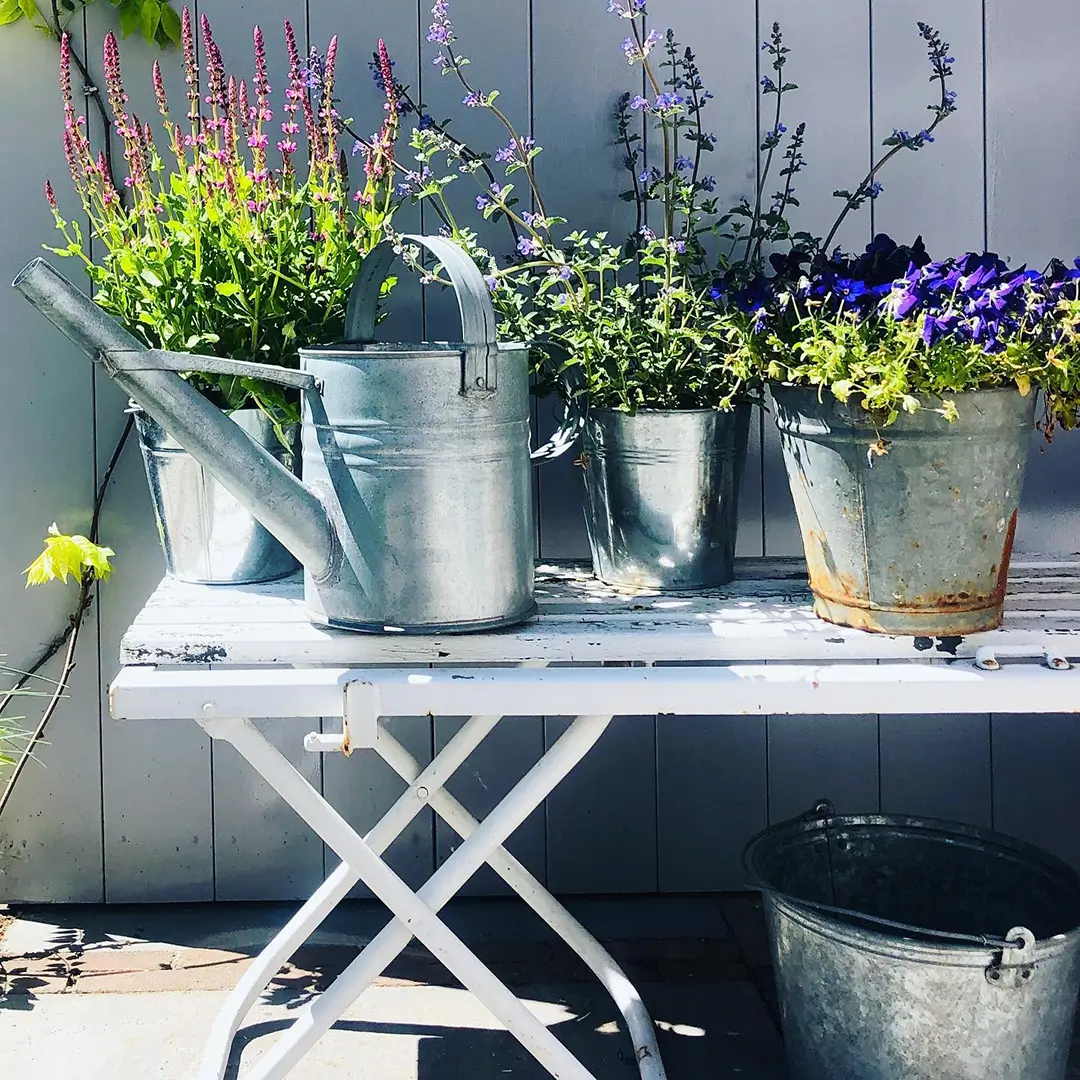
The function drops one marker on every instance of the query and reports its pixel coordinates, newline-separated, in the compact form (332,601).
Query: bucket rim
(891,944)
(815,820)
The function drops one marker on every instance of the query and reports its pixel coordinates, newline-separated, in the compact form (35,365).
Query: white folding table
(227,657)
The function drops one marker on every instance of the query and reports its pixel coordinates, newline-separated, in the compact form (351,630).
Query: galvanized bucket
(207,535)
(907,529)
(662,495)
(914,949)
(420,454)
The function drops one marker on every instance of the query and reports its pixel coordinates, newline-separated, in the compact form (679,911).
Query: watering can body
(415,511)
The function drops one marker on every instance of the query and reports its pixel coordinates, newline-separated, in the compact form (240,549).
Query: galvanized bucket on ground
(207,535)
(913,949)
(908,529)
(662,495)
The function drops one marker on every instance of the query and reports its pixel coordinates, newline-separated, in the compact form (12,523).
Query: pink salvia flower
(50,195)
(191,64)
(215,67)
(159,91)
(297,93)
(327,113)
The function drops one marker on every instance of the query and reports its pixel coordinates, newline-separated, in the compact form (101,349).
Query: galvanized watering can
(415,514)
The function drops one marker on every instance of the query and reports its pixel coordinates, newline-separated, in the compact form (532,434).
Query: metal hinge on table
(986,656)
(360,712)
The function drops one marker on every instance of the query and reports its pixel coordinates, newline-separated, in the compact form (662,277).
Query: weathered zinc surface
(140,812)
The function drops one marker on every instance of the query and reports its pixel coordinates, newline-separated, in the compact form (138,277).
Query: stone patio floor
(129,993)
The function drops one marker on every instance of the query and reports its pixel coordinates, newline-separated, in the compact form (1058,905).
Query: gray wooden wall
(148,812)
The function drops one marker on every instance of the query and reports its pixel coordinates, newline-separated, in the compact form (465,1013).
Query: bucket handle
(480,350)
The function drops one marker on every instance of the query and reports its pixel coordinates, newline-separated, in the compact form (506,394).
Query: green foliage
(157,20)
(69,556)
(221,251)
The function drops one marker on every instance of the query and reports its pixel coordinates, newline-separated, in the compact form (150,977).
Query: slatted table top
(765,614)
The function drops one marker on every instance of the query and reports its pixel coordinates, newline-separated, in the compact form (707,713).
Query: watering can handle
(478,323)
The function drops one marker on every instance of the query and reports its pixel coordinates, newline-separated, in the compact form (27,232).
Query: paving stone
(132,971)
(35,976)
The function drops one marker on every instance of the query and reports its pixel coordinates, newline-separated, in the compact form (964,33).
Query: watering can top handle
(478,323)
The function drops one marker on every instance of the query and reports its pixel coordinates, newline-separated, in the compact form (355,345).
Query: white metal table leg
(336,887)
(594,955)
(414,915)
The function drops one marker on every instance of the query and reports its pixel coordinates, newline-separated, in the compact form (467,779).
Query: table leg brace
(415,911)
(332,891)
(594,955)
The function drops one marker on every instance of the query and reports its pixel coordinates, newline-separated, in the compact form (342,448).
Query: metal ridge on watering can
(416,511)
(662,495)
(915,949)
(907,529)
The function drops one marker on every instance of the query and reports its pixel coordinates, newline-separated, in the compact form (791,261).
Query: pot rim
(809,388)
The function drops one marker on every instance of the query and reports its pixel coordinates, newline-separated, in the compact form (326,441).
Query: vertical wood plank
(1033,213)
(711,798)
(50,835)
(937,766)
(1036,797)
(500,761)
(822,757)
(829,61)
(156,794)
(262,849)
(576,46)
(363,787)
(951,221)
(601,820)
(1031,209)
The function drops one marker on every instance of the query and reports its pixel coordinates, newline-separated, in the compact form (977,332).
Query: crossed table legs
(416,913)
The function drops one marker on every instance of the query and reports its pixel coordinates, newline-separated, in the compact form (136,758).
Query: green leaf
(227,288)
(150,18)
(68,556)
(130,18)
(170,24)
(151,278)
(10,12)
(29,8)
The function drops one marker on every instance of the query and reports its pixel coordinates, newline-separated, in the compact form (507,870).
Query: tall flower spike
(215,67)
(159,91)
(191,63)
(50,195)
(297,92)
(327,112)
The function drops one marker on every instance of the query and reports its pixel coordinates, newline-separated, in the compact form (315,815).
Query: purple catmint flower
(491,281)
(528,246)
(708,183)
(668,102)
(650,176)
(518,150)
(630,49)
(530,218)
(683,162)
(639,102)
(482,202)
(441,31)
(767,85)
(473,99)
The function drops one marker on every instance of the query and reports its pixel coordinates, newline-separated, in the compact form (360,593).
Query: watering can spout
(272,494)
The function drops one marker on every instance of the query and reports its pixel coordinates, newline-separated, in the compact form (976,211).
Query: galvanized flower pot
(913,949)
(207,534)
(662,495)
(907,529)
